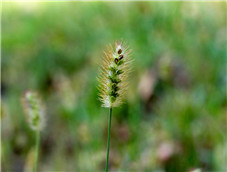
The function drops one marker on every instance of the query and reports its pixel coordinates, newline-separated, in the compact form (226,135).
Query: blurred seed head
(147,85)
(113,75)
(84,133)
(65,91)
(34,110)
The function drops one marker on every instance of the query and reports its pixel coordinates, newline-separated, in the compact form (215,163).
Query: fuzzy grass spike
(114,74)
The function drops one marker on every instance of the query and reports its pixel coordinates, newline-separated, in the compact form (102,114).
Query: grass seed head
(113,75)
(34,110)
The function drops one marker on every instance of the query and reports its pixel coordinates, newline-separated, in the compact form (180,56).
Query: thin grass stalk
(37,150)
(108,141)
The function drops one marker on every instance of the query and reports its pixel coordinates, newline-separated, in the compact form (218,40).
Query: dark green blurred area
(174,116)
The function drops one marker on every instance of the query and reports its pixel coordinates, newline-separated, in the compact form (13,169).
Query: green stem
(37,150)
(108,142)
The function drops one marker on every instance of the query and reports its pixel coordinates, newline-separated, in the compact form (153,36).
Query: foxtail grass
(35,117)
(113,76)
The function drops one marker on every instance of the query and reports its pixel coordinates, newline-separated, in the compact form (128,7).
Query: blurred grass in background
(174,118)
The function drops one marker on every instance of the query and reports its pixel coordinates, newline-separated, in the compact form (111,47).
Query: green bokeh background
(174,116)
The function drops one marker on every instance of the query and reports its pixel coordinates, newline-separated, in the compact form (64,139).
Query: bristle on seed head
(34,110)
(113,75)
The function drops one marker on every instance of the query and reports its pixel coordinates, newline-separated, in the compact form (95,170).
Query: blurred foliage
(174,118)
